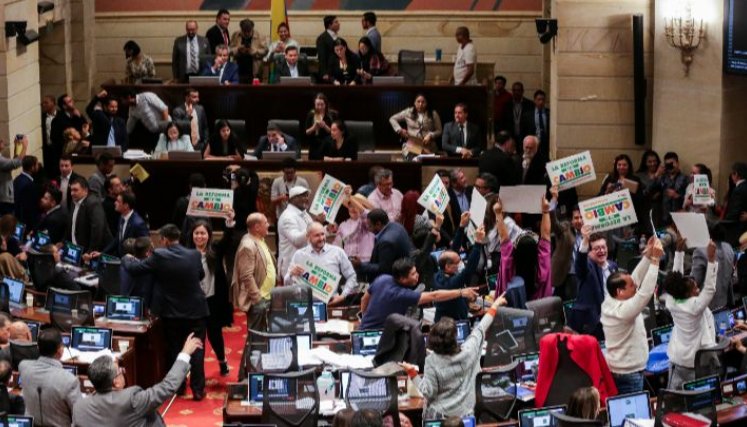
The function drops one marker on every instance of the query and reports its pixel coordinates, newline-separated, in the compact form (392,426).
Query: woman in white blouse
(422,124)
(277,48)
(172,140)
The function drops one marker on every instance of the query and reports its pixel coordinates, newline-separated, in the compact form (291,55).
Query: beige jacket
(249,272)
(257,50)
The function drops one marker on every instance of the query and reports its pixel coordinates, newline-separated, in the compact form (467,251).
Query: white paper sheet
(522,198)
(692,226)
(477,208)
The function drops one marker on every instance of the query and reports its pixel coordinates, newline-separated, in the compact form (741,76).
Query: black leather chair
(411,65)
(568,378)
(268,352)
(363,132)
(238,128)
(290,127)
(680,401)
(20,351)
(520,325)
(495,394)
(710,360)
(569,421)
(367,390)
(548,315)
(41,267)
(282,320)
(290,399)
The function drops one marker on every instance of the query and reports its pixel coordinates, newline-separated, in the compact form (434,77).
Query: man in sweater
(627,345)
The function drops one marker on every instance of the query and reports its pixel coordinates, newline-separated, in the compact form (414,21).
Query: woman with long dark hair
(343,67)
(223,144)
(651,193)
(622,177)
(340,145)
(372,61)
(422,123)
(318,123)
(139,65)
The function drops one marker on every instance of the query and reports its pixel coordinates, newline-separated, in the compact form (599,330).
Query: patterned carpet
(187,413)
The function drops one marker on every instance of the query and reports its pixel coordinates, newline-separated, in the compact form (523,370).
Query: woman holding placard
(697,189)
(622,177)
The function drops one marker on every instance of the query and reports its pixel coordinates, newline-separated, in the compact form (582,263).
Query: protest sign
(328,198)
(693,227)
(323,283)
(609,211)
(571,171)
(522,198)
(435,198)
(210,202)
(701,190)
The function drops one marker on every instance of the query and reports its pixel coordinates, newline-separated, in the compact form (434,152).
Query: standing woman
(373,62)
(421,122)
(139,65)
(223,145)
(318,123)
(277,48)
(340,145)
(214,284)
(651,194)
(621,177)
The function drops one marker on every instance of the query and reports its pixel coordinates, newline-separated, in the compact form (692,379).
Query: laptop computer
(99,309)
(711,382)
(20,421)
(204,80)
(661,335)
(318,307)
(463,328)
(467,421)
(388,80)
(295,81)
(526,370)
(634,405)
(121,308)
(40,240)
(739,314)
(371,156)
(723,319)
(540,417)
(91,339)
(277,156)
(736,386)
(71,257)
(255,384)
(19,231)
(185,155)
(15,291)
(34,327)
(97,150)
(365,343)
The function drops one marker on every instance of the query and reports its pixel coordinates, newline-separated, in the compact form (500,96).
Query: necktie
(225,37)
(111,141)
(193,66)
(121,228)
(541,125)
(461,135)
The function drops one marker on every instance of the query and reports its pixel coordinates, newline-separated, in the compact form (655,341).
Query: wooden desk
(149,365)
(128,360)
(258,104)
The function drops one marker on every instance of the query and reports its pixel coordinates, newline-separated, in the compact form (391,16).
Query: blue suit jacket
(587,309)
(391,244)
(230,72)
(26,197)
(136,227)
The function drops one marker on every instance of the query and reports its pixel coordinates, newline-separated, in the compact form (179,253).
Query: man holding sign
(328,257)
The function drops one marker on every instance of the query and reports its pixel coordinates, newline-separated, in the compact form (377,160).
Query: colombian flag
(278,14)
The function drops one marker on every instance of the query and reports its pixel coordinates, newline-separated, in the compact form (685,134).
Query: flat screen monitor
(91,339)
(710,382)
(278,387)
(467,421)
(299,309)
(71,368)
(463,328)
(204,80)
(635,405)
(40,240)
(72,253)
(723,318)
(739,314)
(124,308)
(61,299)
(19,421)
(540,417)
(526,369)
(735,36)
(365,343)
(295,81)
(34,328)
(661,335)
(19,231)
(255,387)
(278,156)
(15,290)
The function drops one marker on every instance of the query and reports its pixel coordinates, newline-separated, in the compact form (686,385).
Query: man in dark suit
(218,33)
(177,272)
(131,224)
(108,129)
(142,285)
(533,163)
(87,226)
(517,119)
(276,141)
(113,187)
(64,179)
(228,71)
(291,66)
(67,117)
(132,405)
(191,119)
(541,122)
(392,243)
(190,50)
(325,44)
(460,137)
(499,160)
(26,191)
(49,112)
(736,208)
(53,218)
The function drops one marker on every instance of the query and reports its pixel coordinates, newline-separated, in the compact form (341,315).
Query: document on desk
(86,356)
(350,361)
(335,327)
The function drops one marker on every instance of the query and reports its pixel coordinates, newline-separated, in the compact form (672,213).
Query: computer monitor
(66,340)
(468,421)
(99,309)
(278,156)
(97,150)
(91,339)
(388,80)
(661,335)
(277,387)
(295,81)
(62,299)
(634,405)
(124,308)
(15,290)
(72,253)
(204,80)
(369,156)
(71,368)
(540,417)
(20,421)
(185,155)
(303,343)
(255,383)
(319,309)
(365,343)
(344,382)
(463,328)
(34,328)
(739,314)
(710,382)
(19,231)
(40,240)
(723,318)
(526,369)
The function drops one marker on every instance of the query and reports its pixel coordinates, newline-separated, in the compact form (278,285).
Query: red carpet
(187,413)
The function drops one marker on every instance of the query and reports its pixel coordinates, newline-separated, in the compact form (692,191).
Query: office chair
(520,325)
(673,402)
(109,278)
(548,315)
(41,267)
(290,127)
(238,128)
(363,132)
(268,352)
(411,65)
(281,319)
(20,351)
(495,394)
(4,298)
(290,399)
(62,317)
(569,421)
(367,390)
(568,377)
(710,360)
(395,343)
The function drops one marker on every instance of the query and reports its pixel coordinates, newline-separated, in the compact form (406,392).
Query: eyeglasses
(599,249)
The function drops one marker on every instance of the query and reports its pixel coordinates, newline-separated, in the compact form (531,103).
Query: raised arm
(499,224)
(709,287)
(545,225)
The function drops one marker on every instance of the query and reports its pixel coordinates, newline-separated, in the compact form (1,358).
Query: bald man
(330,257)
(20,331)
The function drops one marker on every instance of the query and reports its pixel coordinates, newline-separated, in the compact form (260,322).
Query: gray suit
(6,178)
(132,406)
(179,114)
(49,391)
(725,257)
(179,57)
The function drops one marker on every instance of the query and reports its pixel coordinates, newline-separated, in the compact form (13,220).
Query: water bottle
(326,385)
(722,328)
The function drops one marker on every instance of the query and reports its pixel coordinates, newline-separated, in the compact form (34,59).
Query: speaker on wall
(639,82)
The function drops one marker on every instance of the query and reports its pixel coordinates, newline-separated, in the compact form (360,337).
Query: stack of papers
(349,361)
(335,326)
(135,155)
(86,356)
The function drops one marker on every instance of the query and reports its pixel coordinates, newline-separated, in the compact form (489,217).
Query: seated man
(50,392)
(20,331)
(115,405)
(227,71)
(276,141)
(61,279)
(393,294)
(291,66)
(462,138)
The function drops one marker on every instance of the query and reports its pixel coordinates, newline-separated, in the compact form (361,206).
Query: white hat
(297,191)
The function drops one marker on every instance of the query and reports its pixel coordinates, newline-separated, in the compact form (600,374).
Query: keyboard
(275,361)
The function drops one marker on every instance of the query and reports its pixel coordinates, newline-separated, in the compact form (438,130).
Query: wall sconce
(685,33)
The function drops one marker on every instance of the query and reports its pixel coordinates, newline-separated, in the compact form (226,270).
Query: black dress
(348,149)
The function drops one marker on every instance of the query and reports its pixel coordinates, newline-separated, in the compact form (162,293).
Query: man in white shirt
(331,257)
(385,196)
(292,226)
(465,66)
(624,330)
(281,185)
(152,113)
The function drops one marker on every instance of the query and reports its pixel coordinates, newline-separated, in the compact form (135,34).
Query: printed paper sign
(328,198)
(435,198)
(323,283)
(571,171)
(210,202)
(693,227)
(477,208)
(701,190)
(609,211)
(522,198)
